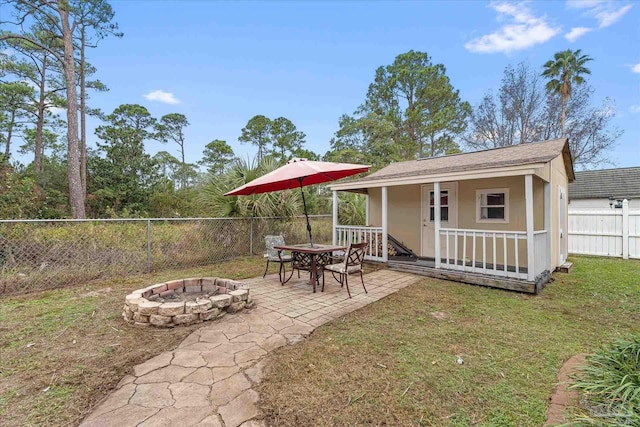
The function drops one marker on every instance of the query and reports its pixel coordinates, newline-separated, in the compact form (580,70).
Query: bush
(609,386)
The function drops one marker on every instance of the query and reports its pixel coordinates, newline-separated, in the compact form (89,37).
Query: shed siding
(558,179)
(403,210)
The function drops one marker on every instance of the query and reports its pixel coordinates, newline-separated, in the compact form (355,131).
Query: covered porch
(458,228)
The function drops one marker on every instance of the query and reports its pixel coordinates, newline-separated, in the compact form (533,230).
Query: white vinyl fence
(612,233)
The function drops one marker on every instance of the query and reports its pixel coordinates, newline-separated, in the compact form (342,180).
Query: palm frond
(277,204)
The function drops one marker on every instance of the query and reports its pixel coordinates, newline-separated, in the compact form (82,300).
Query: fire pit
(185,301)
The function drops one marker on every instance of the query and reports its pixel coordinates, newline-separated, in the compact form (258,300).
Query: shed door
(562,225)
(448,216)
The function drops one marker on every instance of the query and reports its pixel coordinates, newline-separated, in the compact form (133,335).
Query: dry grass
(393,363)
(61,351)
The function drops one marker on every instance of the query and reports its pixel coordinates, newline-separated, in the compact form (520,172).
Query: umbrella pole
(304,203)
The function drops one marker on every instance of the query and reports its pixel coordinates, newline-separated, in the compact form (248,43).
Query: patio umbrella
(299,173)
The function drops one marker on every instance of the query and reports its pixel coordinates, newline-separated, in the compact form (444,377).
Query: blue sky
(222,63)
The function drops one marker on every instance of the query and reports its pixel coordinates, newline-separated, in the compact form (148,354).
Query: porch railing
(347,234)
(542,257)
(498,253)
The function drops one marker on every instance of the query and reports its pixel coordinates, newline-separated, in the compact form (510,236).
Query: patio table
(313,252)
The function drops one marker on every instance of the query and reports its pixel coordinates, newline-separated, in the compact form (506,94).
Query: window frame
(479,206)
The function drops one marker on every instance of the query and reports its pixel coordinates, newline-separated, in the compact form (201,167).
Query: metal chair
(352,264)
(274,255)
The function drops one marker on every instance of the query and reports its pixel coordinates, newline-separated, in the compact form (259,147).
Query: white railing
(498,253)
(542,257)
(347,234)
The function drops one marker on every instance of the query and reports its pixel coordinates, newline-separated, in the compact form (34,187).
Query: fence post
(251,237)
(625,229)
(148,246)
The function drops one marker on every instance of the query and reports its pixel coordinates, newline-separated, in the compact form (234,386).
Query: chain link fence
(46,254)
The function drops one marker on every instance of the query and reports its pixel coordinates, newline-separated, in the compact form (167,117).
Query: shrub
(609,386)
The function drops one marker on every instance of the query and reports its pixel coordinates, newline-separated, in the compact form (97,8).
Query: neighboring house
(500,218)
(605,189)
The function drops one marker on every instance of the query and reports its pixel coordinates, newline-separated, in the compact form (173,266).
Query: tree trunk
(38,149)
(433,146)
(562,115)
(7,150)
(184,167)
(76,195)
(83,116)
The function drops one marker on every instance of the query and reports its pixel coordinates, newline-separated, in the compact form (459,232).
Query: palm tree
(566,68)
(277,204)
(351,208)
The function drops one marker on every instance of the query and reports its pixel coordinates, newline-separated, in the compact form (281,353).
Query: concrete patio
(208,380)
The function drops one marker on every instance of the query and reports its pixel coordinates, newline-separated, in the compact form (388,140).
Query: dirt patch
(96,293)
(439,315)
(562,397)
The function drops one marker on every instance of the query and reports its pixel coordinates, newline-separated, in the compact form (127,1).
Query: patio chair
(274,255)
(352,264)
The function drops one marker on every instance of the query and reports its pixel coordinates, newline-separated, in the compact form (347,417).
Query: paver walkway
(208,379)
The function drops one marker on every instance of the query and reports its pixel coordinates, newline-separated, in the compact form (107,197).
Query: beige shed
(495,217)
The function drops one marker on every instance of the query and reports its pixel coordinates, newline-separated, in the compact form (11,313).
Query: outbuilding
(495,217)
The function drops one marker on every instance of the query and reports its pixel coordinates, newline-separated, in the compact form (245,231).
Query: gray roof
(617,183)
(515,155)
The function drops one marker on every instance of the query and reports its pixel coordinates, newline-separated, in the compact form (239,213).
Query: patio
(210,377)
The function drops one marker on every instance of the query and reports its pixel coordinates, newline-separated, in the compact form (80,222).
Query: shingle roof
(516,155)
(617,183)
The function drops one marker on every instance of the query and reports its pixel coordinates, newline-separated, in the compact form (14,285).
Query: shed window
(493,205)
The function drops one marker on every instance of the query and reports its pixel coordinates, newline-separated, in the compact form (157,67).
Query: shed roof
(515,155)
(617,183)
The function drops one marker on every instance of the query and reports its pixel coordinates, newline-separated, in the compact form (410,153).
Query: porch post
(436,220)
(528,193)
(366,210)
(385,226)
(625,229)
(547,223)
(335,218)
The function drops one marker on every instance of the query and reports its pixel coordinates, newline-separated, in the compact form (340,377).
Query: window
(492,205)
(444,206)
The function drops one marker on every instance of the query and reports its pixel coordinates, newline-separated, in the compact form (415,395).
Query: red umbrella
(299,173)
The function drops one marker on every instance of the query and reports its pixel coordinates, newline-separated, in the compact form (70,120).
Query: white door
(562,225)
(448,216)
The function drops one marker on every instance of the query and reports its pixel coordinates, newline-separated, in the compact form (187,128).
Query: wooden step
(565,268)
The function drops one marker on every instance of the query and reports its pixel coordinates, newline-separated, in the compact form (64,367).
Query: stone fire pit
(185,301)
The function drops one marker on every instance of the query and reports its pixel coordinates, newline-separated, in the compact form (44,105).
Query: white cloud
(610,17)
(636,68)
(635,109)
(522,30)
(584,4)
(162,96)
(576,33)
(606,12)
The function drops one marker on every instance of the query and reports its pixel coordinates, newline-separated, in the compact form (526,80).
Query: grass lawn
(393,363)
(63,350)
